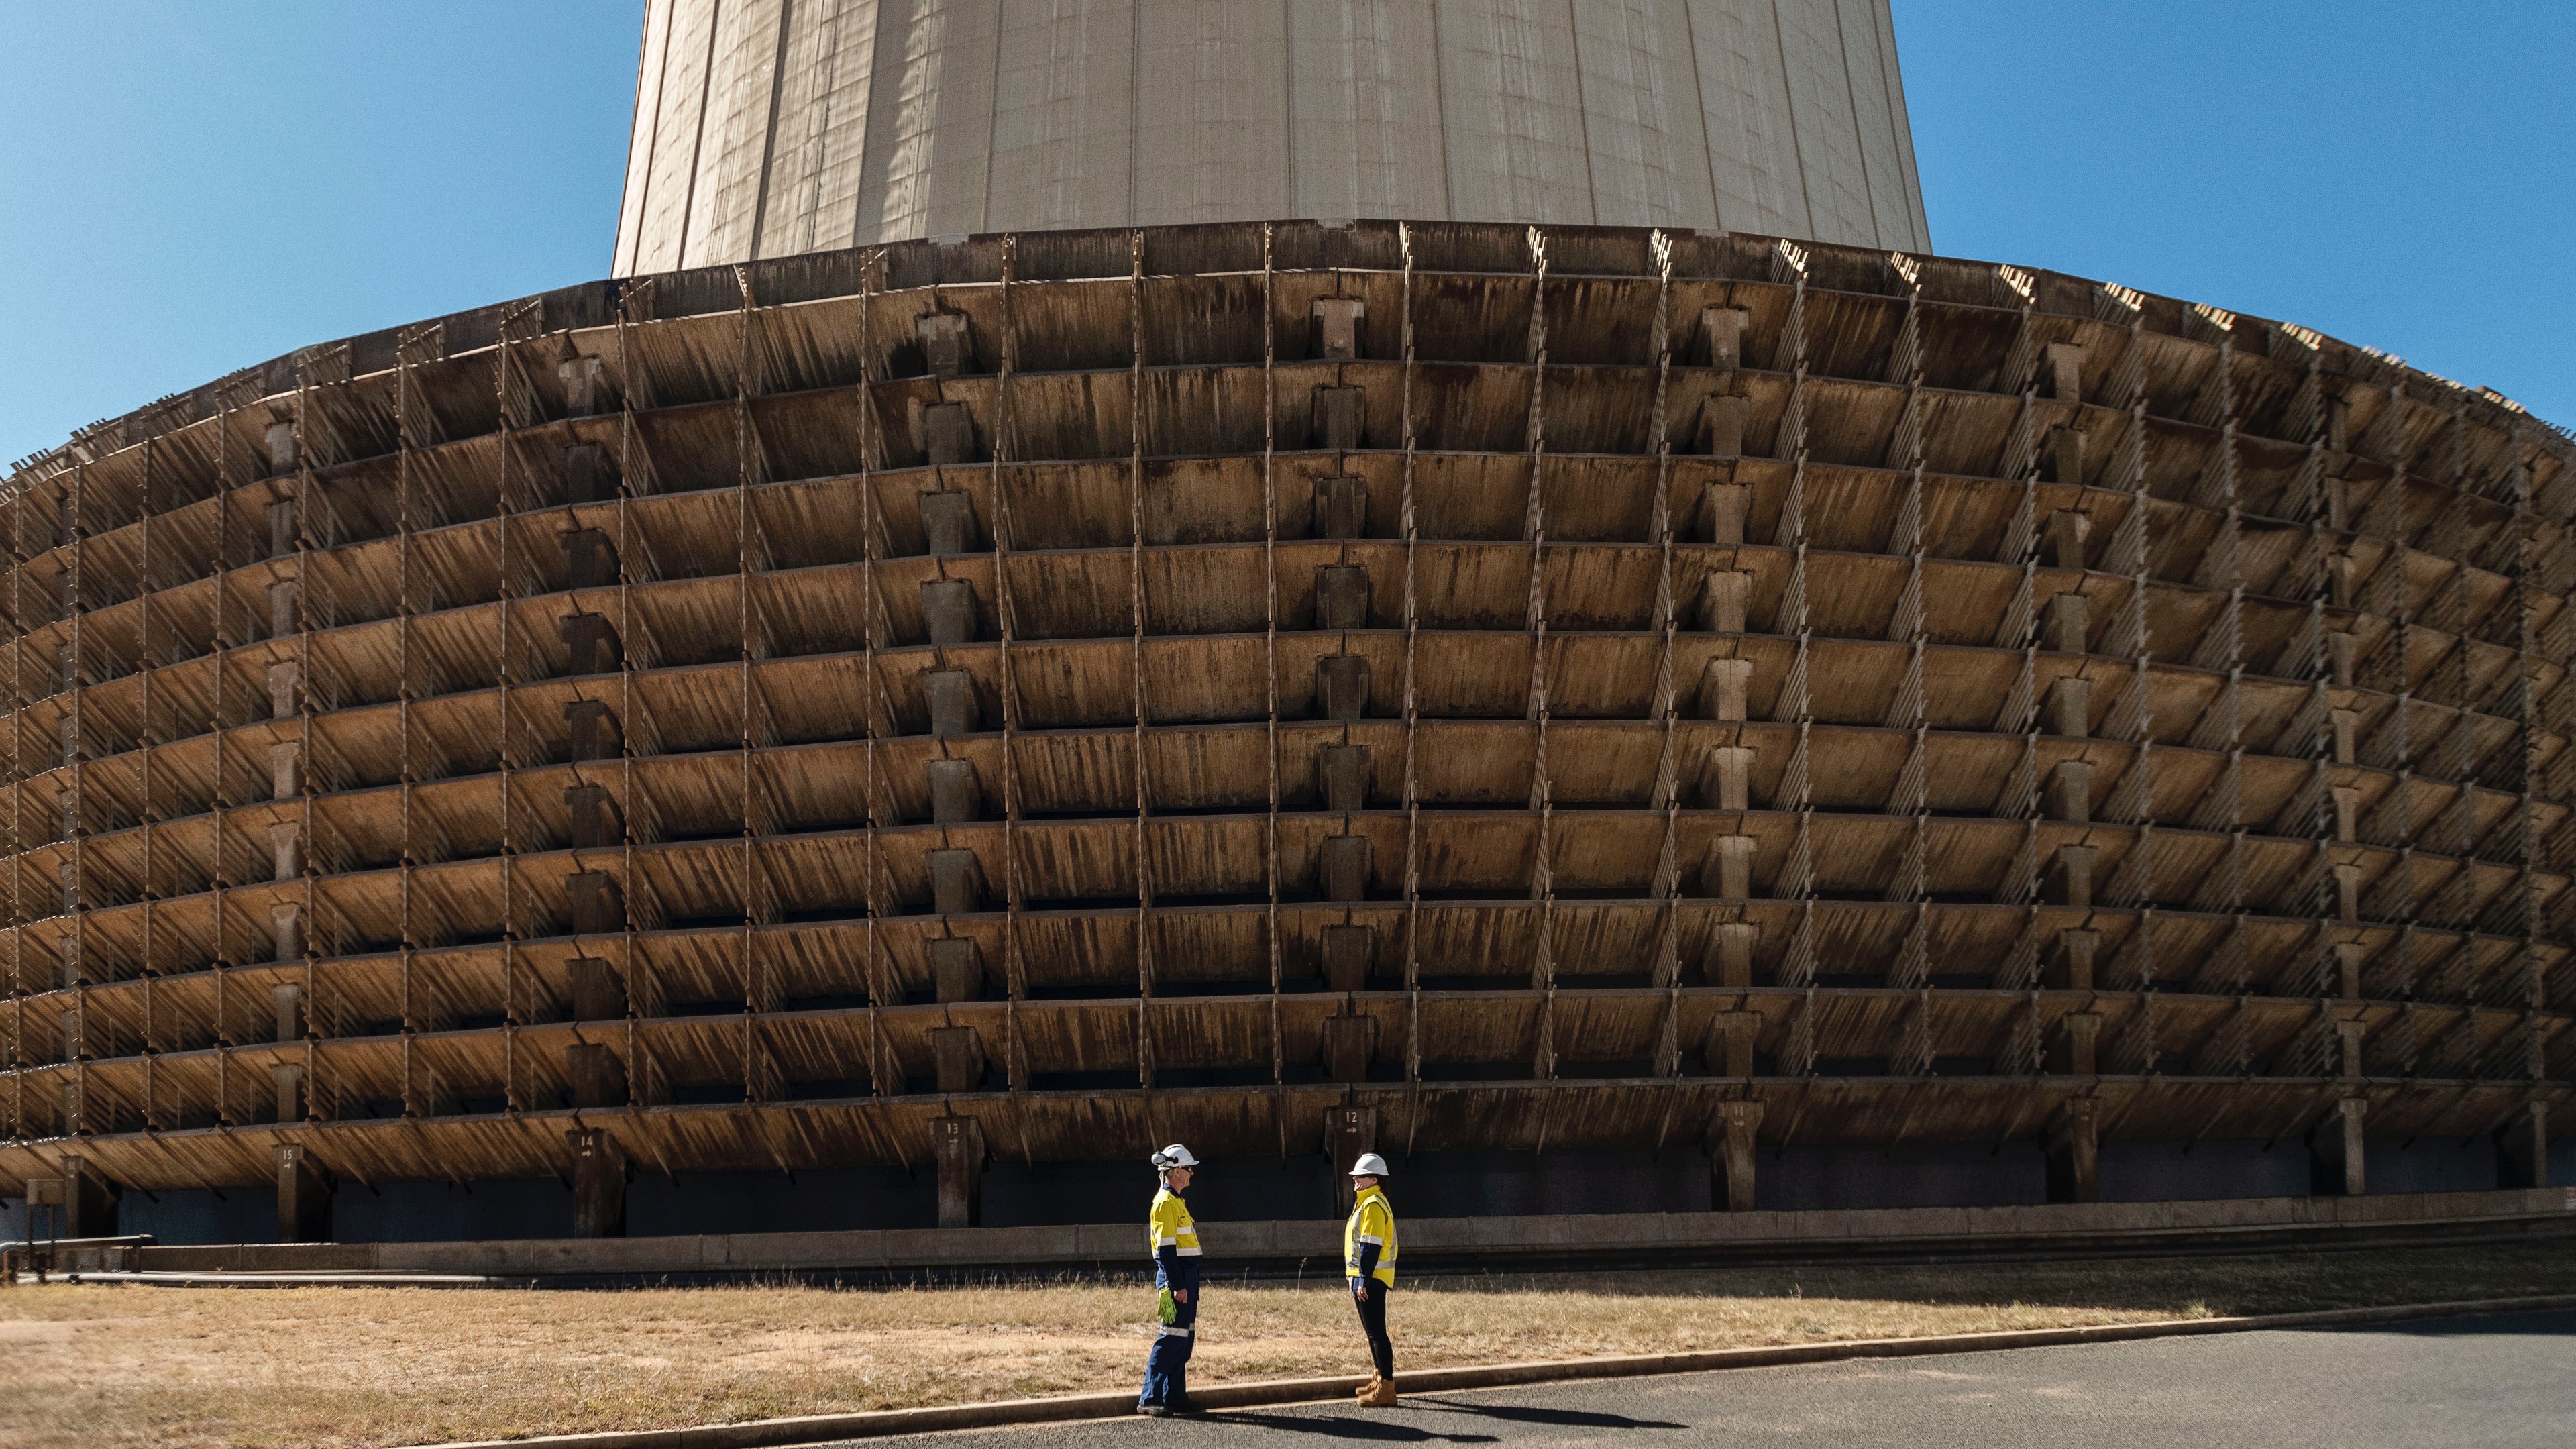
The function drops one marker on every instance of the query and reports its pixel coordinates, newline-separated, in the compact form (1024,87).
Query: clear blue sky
(193,187)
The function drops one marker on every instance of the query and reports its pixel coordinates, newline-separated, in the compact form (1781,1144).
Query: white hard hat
(1369,1165)
(1174,1156)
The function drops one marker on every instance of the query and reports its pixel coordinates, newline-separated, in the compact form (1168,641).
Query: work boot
(1380,1394)
(1367,1387)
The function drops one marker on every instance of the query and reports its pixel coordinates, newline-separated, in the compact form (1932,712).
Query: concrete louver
(1514,775)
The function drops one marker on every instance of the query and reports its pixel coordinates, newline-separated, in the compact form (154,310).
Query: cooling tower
(774,127)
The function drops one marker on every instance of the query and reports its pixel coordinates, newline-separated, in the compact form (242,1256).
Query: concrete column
(2068,531)
(1729,777)
(282,451)
(67,959)
(287,1079)
(89,1200)
(2070,708)
(2348,958)
(1721,426)
(948,610)
(2071,883)
(588,475)
(2335,1151)
(1722,329)
(2347,880)
(303,1196)
(1347,953)
(2066,371)
(1722,688)
(1337,327)
(1730,961)
(949,696)
(948,434)
(2343,652)
(286,930)
(2074,1153)
(955,797)
(2347,811)
(598,994)
(1350,1040)
(598,1076)
(2522,1147)
(948,523)
(1727,507)
(580,378)
(590,558)
(285,686)
(1348,1132)
(591,645)
(1728,873)
(2073,970)
(593,816)
(1730,1152)
(957,1056)
(1341,597)
(2066,455)
(288,1003)
(1342,868)
(1342,777)
(1341,687)
(1731,1038)
(2347,727)
(285,770)
(598,903)
(1723,598)
(598,1184)
(282,532)
(943,339)
(590,731)
(958,1143)
(956,882)
(1337,418)
(2348,1035)
(286,851)
(957,969)
(2070,792)
(2074,1052)
(1341,507)
(284,617)
(2069,627)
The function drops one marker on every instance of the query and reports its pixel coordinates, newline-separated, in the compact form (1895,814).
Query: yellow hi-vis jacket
(1172,1236)
(1372,1221)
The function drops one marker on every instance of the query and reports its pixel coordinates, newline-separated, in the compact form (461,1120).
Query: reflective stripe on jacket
(1372,1222)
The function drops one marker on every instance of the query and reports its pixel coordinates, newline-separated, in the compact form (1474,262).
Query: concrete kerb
(830,1428)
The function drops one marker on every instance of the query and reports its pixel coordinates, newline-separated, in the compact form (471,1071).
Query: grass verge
(98,1365)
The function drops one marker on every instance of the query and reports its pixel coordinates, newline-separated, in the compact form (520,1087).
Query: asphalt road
(2499,1381)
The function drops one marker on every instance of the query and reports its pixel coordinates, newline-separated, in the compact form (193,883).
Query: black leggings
(1369,1296)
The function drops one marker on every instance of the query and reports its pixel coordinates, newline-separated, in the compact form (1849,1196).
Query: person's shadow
(1337,1426)
(1529,1414)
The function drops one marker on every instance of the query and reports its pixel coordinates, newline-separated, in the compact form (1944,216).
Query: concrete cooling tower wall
(767,128)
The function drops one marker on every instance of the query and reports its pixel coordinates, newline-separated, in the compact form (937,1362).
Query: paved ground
(2502,1381)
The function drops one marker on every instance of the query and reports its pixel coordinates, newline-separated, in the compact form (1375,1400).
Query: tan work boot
(1367,1386)
(1380,1395)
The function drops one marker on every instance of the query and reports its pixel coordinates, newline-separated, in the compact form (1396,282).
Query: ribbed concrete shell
(1733,620)
(766,128)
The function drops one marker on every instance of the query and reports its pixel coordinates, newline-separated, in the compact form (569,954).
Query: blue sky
(190,188)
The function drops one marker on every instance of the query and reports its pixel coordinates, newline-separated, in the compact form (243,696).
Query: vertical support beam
(958,1143)
(1730,1152)
(598,1184)
(1348,1132)
(2074,1153)
(2522,1147)
(89,1200)
(2335,1152)
(303,1196)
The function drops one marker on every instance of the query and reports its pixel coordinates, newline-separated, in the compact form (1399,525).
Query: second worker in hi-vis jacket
(1173,1237)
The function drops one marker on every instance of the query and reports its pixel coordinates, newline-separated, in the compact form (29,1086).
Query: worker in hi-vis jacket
(1173,1236)
(1368,1260)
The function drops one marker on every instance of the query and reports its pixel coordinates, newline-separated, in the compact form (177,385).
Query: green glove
(1163,1306)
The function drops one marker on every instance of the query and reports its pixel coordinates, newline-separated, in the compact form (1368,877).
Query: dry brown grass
(98,1365)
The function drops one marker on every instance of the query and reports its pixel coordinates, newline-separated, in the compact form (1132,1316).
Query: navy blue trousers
(1167,1368)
